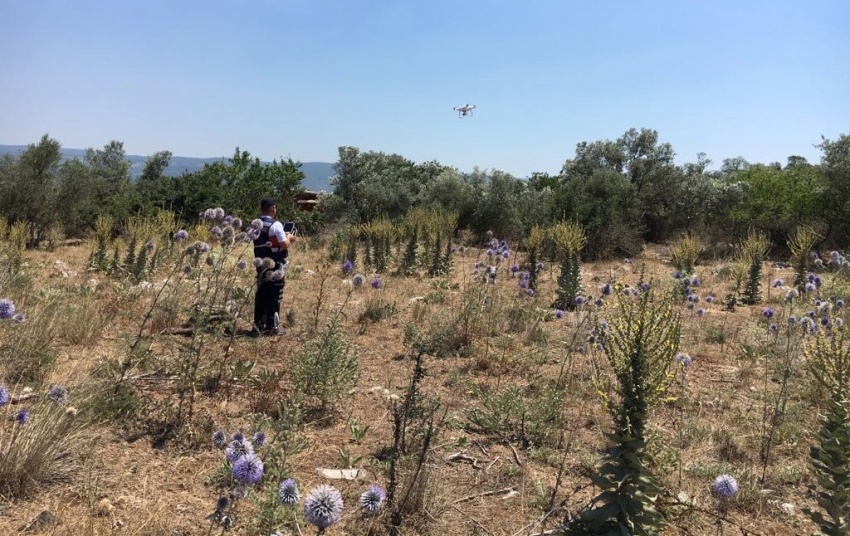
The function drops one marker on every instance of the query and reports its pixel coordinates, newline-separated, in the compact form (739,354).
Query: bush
(326,369)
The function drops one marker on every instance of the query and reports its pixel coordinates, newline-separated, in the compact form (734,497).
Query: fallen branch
(483,494)
(516,455)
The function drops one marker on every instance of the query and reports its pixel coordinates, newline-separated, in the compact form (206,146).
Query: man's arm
(278,238)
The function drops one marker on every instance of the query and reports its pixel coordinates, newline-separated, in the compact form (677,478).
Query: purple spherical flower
(810,287)
(599,302)
(22,416)
(242,264)
(7,309)
(259,439)
(372,500)
(237,449)
(677,274)
(700,311)
(347,266)
(817,282)
(683,359)
(529,292)
(377,283)
(219,439)
(709,299)
(221,504)
(539,267)
(248,469)
(579,300)
(839,303)
(773,327)
(506,254)
(768,312)
(523,283)
(695,282)
(19,318)
(258,262)
(839,322)
(514,268)
(559,313)
(238,436)
(358,280)
(581,349)
(182,234)
(778,283)
(288,493)
(323,506)
(792,319)
(58,394)
(489,252)
(725,486)
(236,223)
(644,287)
(4,396)
(216,231)
(257,224)
(607,289)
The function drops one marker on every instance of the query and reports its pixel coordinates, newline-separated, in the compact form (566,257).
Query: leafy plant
(569,238)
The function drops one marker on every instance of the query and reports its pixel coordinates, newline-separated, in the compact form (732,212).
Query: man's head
(267,206)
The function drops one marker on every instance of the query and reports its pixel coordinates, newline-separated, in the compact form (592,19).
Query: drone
(463,111)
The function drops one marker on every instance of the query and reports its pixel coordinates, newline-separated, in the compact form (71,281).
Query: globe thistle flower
(242,264)
(323,506)
(22,416)
(358,280)
(372,500)
(627,260)
(219,439)
(204,247)
(218,213)
(581,349)
(559,313)
(239,492)
(792,294)
(839,322)
(454,249)
(824,321)
(248,469)
(259,439)
(236,223)
(683,359)
(778,283)
(209,214)
(149,245)
(4,396)
(644,287)
(599,302)
(257,224)
(210,261)
(7,309)
(607,289)
(376,283)
(268,264)
(523,283)
(252,234)
(767,312)
(236,449)
(529,292)
(677,274)
(238,436)
(514,268)
(835,254)
(810,314)
(819,263)
(489,252)
(725,486)
(709,299)
(817,281)
(700,312)
(539,267)
(792,319)
(221,504)
(58,394)
(506,254)
(695,282)
(839,303)
(773,327)
(579,300)
(288,494)
(182,234)
(19,318)
(216,231)
(347,266)
(810,287)
(526,275)
(186,269)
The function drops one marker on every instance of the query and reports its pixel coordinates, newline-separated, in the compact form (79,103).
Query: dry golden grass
(122,484)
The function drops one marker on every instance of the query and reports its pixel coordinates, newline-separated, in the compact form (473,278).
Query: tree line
(624,192)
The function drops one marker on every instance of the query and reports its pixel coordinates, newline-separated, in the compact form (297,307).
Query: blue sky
(759,79)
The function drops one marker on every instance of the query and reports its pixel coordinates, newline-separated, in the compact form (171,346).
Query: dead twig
(483,494)
(480,446)
(516,455)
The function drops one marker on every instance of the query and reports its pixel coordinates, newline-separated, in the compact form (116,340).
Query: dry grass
(492,338)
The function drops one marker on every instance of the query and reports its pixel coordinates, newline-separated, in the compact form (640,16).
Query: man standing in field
(272,248)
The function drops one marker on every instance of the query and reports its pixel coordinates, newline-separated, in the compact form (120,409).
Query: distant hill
(316,174)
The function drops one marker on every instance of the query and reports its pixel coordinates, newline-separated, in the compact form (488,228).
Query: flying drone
(463,111)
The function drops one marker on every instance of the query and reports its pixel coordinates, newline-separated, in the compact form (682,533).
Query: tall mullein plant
(569,239)
(828,358)
(753,252)
(533,244)
(639,347)
(800,245)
